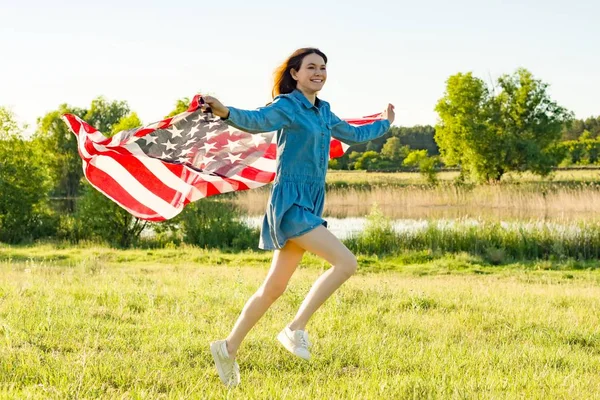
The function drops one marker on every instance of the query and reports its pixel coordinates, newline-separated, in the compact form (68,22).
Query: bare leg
(324,244)
(283,266)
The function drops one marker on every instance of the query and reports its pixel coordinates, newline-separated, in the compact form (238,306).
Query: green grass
(90,322)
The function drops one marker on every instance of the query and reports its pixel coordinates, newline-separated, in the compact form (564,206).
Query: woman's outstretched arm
(278,114)
(350,134)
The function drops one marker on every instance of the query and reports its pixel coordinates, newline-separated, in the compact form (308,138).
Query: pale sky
(151,53)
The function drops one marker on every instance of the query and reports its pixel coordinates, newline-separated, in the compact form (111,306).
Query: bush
(214,223)
(378,236)
(103,219)
(24,188)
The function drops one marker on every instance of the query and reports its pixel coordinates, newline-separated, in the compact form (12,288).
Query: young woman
(293,223)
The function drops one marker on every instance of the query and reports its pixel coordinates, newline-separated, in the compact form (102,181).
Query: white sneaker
(229,370)
(295,341)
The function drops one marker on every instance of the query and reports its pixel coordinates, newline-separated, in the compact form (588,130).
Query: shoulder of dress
(286,99)
(325,103)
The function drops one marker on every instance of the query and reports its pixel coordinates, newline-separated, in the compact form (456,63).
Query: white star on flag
(175,132)
(185,152)
(233,158)
(206,160)
(192,140)
(169,145)
(210,135)
(232,145)
(149,139)
(257,140)
(208,147)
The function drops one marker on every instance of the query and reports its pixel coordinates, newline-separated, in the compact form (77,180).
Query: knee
(349,265)
(272,291)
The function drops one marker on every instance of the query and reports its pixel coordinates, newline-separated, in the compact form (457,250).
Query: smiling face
(312,74)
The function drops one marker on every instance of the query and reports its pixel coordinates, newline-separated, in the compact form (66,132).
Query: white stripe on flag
(138,191)
(159,170)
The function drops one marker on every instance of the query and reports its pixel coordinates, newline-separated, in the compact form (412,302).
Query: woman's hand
(389,114)
(216,106)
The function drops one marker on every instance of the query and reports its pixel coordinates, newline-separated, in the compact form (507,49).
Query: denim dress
(304,132)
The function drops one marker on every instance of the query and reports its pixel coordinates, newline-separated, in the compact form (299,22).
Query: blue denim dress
(304,132)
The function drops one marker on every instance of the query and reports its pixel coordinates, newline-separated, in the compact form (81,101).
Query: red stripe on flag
(144,176)
(258,175)
(144,132)
(111,188)
(74,124)
(335,149)
(205,187)
(271,152)
(237,185)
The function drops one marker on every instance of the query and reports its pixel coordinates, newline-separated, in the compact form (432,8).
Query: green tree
(417,137)
(368,160)
(24,185)
(9,127)
(394,150)
(572,131)
(105,219)
(61,153)
(489,134)
(104,114)
(427,165)
(181,105)
(130,121)
(60,144)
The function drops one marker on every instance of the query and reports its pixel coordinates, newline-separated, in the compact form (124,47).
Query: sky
(151,53)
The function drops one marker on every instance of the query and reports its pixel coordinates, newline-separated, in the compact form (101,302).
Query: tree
(394,150)
(24,184)
(60,144)
(417,137)
(8,125)
(61,153)
(574,130)
(104,114)
(369,160)
(181,105)
(104,218)
(489,134)
(130,121)
(426,164)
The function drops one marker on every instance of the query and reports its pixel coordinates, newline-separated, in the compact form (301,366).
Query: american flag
(155,170)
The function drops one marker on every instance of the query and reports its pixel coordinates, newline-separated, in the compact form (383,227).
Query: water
(344,228)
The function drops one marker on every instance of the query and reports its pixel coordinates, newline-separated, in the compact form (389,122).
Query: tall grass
(497,242)
(578,200)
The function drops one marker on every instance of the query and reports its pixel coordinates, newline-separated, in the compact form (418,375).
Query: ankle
(296,327)
(230,350)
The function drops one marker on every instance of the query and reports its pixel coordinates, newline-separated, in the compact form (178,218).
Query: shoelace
(304,340)
(233,370)
(231,376)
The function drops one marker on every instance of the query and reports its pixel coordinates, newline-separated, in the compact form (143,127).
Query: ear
(294,74)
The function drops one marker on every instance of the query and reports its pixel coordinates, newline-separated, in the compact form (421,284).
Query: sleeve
(350,134)
(279,114)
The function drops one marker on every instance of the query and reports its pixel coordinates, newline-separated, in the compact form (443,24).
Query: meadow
(501,307)
(94,322)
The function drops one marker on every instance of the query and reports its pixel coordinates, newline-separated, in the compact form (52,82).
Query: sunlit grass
(93,322)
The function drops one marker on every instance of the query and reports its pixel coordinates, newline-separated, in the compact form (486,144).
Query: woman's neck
(311,96)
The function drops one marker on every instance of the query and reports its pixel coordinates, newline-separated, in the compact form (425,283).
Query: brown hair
(284,83)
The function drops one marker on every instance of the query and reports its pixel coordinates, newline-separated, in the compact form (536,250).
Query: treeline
(579,145)
(44,195)
(484,131)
